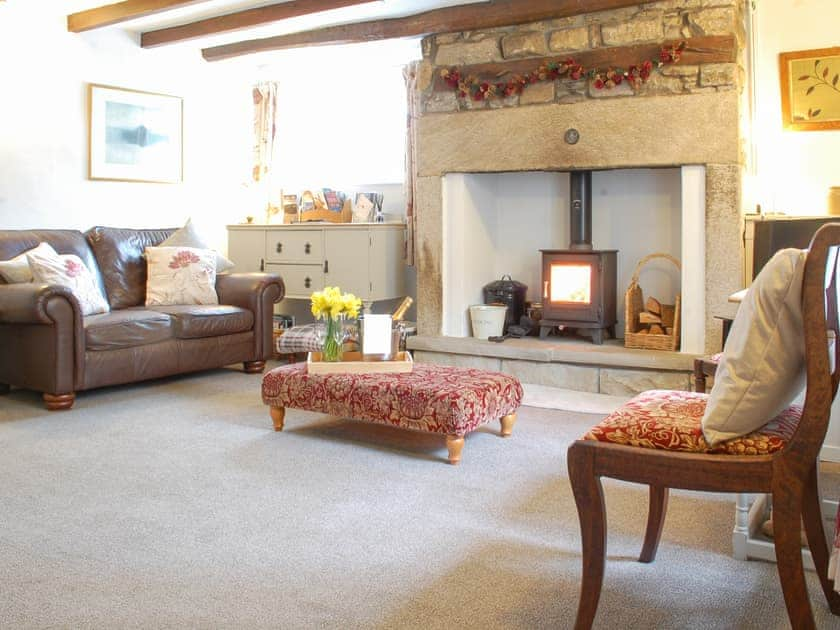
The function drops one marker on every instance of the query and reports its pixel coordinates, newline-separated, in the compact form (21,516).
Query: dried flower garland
(635,75)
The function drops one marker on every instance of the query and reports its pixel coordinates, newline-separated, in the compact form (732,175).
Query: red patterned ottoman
(431,398)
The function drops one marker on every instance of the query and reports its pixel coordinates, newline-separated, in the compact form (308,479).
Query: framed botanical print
(135,136)
(810,82)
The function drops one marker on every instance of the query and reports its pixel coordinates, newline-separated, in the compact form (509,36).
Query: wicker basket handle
(650,257)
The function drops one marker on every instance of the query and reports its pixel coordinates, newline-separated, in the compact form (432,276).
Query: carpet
(174,504)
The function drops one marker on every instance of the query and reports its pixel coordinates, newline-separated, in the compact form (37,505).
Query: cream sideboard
(365,259)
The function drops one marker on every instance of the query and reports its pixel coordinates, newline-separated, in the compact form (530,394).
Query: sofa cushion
(199,320)
(67,270)
(126,328)
(180,275)
(17,270)
(119,252)
(188,236)
(15,242)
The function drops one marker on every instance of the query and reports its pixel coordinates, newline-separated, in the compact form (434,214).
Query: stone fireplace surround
(686,124)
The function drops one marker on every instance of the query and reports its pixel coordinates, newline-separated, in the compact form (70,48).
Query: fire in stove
(579,283)
(571,283)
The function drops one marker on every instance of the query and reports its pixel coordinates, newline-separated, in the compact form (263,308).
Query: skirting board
(751,545)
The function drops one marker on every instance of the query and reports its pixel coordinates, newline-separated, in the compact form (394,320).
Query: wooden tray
(353,364)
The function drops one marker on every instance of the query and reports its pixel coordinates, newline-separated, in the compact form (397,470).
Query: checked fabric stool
(431,398)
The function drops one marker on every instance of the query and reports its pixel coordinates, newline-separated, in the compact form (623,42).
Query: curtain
(265,109)
(410,75)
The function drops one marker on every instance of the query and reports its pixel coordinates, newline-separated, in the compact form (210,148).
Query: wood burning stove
(579,283)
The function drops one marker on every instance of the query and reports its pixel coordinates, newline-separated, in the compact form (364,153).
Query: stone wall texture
(685,114)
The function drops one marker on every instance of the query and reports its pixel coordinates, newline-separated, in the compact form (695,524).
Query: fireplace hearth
(579,283)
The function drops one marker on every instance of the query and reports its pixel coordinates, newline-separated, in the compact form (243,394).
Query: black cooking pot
(510,293)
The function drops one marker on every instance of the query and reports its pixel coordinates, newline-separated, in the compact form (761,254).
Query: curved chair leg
(589,498)
(787,510)
(812,516)
(656,520)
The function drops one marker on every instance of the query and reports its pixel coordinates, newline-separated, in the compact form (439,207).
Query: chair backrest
(820,320)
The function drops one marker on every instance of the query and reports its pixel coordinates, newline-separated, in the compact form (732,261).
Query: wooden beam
(706,49)
(488,14)
(242,20)
(121,12)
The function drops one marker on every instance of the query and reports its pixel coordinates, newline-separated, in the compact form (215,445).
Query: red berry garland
(635,75)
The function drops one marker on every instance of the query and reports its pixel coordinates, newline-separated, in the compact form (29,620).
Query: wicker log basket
(636,333)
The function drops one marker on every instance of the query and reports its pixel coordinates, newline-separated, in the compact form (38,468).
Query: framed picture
(810,81)
(135,136)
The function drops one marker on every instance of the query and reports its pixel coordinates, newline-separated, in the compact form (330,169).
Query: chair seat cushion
(194,321)
(126,328)
(670,420)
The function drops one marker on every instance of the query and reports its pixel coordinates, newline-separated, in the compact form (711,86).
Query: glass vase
(332,349)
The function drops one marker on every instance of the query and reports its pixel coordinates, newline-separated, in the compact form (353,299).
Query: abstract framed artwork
(810,82)
(135,136)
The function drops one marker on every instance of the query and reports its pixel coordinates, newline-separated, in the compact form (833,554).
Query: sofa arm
(28,303)
(43,322)
(258,292)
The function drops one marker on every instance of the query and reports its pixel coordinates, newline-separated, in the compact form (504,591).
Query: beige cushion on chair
(763,364)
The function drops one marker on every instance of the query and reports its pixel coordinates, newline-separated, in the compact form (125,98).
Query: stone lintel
(651,132)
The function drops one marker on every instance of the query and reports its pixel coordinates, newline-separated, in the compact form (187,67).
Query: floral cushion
(433,398)
(180,275)
(67,270)
(670,420)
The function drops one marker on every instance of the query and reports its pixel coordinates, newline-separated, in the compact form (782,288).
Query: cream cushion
(68,270)
(17,269)
(188,236)
(763,364)
(180,275)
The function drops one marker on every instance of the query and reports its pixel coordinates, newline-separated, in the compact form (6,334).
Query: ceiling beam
(242,20)
(121,12)
(447,20)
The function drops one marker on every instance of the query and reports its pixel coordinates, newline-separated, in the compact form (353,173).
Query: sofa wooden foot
(455,444)
(278,414)
(507,424)
(253,367)
(59,402)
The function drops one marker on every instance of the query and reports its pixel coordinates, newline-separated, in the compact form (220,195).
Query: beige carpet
(174,504)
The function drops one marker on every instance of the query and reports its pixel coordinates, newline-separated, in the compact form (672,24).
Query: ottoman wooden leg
(455,444)
(278,414)
(507,424)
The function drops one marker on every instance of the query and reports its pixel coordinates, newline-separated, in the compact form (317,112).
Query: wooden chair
(789,473)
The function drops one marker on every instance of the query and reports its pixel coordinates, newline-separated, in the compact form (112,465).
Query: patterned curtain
(410,75)
(265,109)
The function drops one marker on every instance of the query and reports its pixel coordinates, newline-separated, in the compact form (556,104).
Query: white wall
(794,168)
(43,127)
(495,224)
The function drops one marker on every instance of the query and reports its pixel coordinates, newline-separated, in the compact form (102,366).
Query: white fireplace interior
(496,223)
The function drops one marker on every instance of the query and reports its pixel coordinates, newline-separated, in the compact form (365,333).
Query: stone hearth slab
(572,364)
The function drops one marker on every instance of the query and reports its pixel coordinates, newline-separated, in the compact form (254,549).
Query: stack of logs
(657,318)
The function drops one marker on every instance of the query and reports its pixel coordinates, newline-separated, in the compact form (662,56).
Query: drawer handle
(279,248)
(307,282)
(326,266)
(307,248)
(262,264)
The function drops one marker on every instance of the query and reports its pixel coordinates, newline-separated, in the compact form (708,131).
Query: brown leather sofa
(46,345)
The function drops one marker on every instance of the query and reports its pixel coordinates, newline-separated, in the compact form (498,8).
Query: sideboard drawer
(300,280)
(301,246)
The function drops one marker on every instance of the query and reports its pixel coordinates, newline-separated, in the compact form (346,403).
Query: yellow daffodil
(331,303)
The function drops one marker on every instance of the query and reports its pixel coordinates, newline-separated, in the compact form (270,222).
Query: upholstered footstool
(431,398)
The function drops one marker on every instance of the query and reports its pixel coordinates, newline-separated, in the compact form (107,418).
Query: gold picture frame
(135,136)
(810,84)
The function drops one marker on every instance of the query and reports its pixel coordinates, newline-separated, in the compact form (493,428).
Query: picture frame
(134,136)
(810,86)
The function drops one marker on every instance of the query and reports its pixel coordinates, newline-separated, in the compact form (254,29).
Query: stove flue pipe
(580,210)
